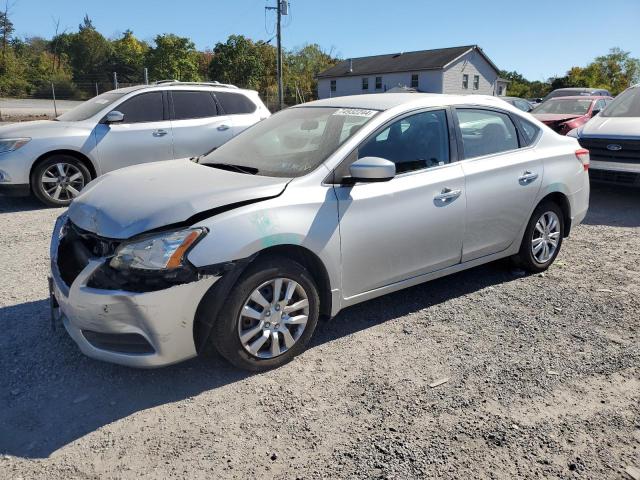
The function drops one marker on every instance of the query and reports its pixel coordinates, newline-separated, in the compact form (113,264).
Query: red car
(563,114)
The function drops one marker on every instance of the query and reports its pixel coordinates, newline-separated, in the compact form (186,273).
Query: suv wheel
(269,316)
(542,238)
(59,179)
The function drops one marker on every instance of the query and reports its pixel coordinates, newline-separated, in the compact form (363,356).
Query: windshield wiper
(233,168)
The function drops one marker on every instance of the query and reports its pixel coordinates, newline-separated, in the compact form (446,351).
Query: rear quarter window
(235,103)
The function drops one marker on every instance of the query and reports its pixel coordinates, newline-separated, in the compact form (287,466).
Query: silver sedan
(317,208)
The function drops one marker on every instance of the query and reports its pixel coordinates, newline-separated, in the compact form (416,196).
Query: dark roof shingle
(398,62)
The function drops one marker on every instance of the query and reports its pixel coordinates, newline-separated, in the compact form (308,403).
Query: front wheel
(269,316)
(542,238)
(59,179)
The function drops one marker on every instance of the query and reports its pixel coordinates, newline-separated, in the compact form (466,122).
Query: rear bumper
(14,190)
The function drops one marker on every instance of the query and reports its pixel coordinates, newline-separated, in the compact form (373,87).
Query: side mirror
(114,116)
(595,111)
(372,169)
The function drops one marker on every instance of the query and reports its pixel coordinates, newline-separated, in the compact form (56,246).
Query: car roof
(580,97)
(386,101)
(579,89)
(181,86)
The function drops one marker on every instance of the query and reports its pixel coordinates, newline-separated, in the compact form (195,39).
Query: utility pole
(281,9)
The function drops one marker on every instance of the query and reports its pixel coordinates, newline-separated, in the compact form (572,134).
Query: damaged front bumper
(138,329)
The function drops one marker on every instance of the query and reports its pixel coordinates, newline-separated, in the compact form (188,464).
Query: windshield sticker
(355,112)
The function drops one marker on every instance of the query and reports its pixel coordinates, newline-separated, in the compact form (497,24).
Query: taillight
(583,156)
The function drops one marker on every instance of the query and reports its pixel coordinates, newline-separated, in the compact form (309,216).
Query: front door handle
(447,195)
(527,177)
(222,128)
(159,133)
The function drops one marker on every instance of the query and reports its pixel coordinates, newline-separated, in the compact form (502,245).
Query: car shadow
(55,395)
(613,205)
(19,204)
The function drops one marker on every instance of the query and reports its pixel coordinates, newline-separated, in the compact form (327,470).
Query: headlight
(164,251)
(11,144)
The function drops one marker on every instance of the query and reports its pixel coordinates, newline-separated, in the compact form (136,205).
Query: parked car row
(609,128)
(55,159)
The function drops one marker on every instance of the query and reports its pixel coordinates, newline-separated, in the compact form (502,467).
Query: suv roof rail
(159,82)
(178,82)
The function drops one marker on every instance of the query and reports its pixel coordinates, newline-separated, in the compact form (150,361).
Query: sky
(538,38)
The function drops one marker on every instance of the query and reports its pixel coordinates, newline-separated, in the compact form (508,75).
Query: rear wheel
(542,238)
(269,316)
(59,179)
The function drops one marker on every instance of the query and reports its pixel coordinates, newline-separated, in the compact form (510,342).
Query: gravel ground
(543,378)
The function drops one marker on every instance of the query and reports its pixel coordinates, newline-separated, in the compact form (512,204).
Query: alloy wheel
(273,318)
(62,181)
(546,236)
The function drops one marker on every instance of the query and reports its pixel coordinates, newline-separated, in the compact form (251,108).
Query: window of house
(414,80)
(365,83)
(234,103)
(378,83)
(485,132)
(333,85)
(145,107)
(465,81)
(193,105)
(413,143)
(476,82)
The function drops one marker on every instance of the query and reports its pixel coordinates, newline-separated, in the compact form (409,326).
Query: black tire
(225,334)
(525,257)
(71,165)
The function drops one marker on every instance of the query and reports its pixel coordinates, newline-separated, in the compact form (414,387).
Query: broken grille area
(77,247)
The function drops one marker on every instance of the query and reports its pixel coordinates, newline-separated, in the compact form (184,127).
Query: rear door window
(235,103)
(486,132)
(187,105)
(145,107)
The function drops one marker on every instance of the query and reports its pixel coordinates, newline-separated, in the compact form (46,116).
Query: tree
(6,30)
(240,61)
(128,56)
(88,52)
(302,67)
(614,72)
(173,57)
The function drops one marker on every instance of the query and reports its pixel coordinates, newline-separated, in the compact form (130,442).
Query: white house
(456,70)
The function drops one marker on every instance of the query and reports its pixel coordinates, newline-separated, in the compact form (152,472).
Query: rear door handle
(222,128)
(159,133)
(527,177)
(447,195)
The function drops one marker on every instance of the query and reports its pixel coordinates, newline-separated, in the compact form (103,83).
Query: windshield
(89,108)
(292,142)
(566,106)
(627,104)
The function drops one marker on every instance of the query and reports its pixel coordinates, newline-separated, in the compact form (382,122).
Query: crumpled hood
(555,117)
(612,127)
(133,200)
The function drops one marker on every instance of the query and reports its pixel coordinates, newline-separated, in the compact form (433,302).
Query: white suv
(55,159)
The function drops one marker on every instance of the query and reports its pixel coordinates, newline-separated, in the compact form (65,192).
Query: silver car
(55,159)
(317,208)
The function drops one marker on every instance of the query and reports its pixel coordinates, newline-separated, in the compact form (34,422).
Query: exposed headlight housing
(159,252)
(11,144)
